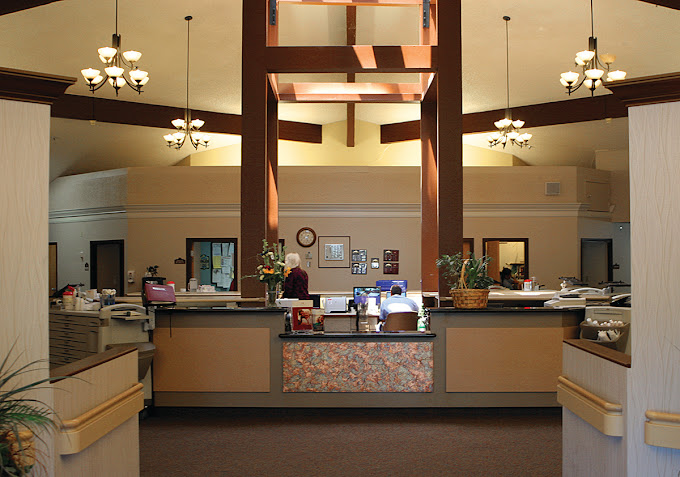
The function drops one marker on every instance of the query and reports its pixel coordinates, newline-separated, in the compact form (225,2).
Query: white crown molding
(150,211)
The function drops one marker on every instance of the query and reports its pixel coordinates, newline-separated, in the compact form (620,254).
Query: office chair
(401,321)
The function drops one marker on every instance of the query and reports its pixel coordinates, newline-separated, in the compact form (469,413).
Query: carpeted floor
(351,442)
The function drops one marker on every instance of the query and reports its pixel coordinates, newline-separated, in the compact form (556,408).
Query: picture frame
(301,318)
(390,255)
(334,251)
(391,268)
(375,263)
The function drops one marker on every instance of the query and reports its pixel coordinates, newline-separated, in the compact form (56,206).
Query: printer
(335,304)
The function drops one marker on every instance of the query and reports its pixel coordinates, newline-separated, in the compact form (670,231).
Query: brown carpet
(351,442)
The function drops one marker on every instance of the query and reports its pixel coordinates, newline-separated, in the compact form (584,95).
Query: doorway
(107,262)
(53,277)
(512,253)
(596,261)
(213,261)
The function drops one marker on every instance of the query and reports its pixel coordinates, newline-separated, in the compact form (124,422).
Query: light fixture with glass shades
(187,127)
(114,61)
(594,66)
(508,129)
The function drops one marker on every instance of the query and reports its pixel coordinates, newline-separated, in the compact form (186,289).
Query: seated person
(296,283)
(507,279)
(395,303)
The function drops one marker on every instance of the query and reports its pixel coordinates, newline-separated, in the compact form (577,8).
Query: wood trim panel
(350,92)
(604,416)
(20,5)
(662,429)
(674,4)
(32,87)
(88,108)
(357,3)
(535,115)
(647,90)
(79,433)
(90,362)
(351,59)
(609,354)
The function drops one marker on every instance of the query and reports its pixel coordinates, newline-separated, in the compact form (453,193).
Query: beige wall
(379,208)
(24,162)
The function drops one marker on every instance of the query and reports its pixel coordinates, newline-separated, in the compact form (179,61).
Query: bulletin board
(334,252)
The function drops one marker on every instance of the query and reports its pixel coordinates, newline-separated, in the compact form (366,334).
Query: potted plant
(468,279)
(21,417)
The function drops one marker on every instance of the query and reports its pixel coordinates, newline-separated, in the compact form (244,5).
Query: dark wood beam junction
(674,4)
(89,108)
(647,90)
(351,59)
(20,85)
(11,6)
(536,115)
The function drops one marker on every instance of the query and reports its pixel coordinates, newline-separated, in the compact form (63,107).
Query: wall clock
(306,237)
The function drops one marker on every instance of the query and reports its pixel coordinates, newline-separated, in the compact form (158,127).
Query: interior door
(596,261)
(106,265)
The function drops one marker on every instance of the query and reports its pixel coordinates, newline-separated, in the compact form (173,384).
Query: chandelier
(594,66)
(114,72)
(508,130)
(187,127)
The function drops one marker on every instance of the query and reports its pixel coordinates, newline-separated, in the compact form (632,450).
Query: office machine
(336,304)
(372,297)
(385,285)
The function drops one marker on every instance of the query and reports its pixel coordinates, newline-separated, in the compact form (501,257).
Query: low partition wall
(243,358)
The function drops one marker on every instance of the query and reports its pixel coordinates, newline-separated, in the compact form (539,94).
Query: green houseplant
(21,417)
(468,279)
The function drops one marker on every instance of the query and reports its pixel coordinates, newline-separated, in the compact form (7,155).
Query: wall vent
(552,188)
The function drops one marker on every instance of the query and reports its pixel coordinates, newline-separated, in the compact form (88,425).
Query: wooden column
(450,131)
(429,239)
(259,220)
(272,166)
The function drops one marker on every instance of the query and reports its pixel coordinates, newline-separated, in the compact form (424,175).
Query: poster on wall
(390,255)
(359,255)
(390,268)
(375,263)
(359,268)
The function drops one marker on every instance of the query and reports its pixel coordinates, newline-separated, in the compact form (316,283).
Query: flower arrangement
(273,270)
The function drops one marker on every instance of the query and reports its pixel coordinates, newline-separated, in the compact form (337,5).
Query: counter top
(362,335)
(504,309)
(215,309)
(603,352)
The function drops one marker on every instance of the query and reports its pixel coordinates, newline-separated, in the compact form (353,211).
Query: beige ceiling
(62,38)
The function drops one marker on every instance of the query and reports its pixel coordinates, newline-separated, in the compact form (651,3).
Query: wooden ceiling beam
(358,3)
(535,115)
(19,5)
(88,108)
(352,59)
(674,4)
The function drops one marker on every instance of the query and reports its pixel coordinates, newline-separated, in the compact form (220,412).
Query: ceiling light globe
(608,58)
(169,138)
(527,136)
(178,136)
(138,75)
(564,83)
(513,135)
(114,71)
(588,84)
(106,54)
(579,61)
(206,139)
(144,81)
(570,77)
(495,136)
(132,56)
(594,73)
(178,123)
(585,55)
(197,123)
(98,79)
(517,124)
(616,75)
(197,136)
(89,74)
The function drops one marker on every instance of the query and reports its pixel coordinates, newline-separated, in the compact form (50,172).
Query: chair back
(401,321)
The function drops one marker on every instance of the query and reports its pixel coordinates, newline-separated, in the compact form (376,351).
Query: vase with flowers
(272,271)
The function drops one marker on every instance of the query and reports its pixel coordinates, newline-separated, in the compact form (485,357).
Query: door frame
(93,262)
(610,256)
(190,258)
(504,239)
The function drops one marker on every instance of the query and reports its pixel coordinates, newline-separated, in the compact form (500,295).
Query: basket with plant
(468,279)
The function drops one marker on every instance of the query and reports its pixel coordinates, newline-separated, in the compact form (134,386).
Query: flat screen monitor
(373,297)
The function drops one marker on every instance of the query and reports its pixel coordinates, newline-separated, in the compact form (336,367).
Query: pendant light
(508,129)
(187,127)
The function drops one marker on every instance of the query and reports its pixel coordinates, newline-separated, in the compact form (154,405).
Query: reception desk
(244,358)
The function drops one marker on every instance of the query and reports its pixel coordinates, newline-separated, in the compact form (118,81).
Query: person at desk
(507,280)
(395,303)
(296,283)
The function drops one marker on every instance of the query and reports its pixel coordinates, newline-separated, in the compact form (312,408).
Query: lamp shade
(178,123)
(197,123)
(107,53)
(594,73)
(517,124)
(114,71)
(585,55)
(132,56)
(570,77)
(89,73)
(138,75)
(616,75)
(608,58)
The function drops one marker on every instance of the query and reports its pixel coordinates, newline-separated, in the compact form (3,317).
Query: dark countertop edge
(616,357)
(71,369)
(505,309)
(217,309)
(360,336)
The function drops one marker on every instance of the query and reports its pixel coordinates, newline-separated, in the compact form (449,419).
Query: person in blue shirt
(396,302)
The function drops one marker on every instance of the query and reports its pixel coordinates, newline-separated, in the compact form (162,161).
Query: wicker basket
(470,298)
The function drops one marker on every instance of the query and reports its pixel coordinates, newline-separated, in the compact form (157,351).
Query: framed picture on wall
(334,252)
(375,263)
(390,268)
(390,255)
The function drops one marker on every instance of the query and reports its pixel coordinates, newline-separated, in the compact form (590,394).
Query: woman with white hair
(297,282)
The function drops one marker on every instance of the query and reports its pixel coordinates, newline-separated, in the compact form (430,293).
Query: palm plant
(462,273)
(19,414)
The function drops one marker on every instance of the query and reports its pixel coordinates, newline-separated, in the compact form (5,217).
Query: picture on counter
(359,269)
(375,263)
(317,320)
(390,268)
(301,318)
(359,255)
(390,255)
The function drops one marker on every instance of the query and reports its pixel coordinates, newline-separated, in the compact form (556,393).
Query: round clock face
(306,237)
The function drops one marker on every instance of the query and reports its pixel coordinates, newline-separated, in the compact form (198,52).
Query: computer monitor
(373,297)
